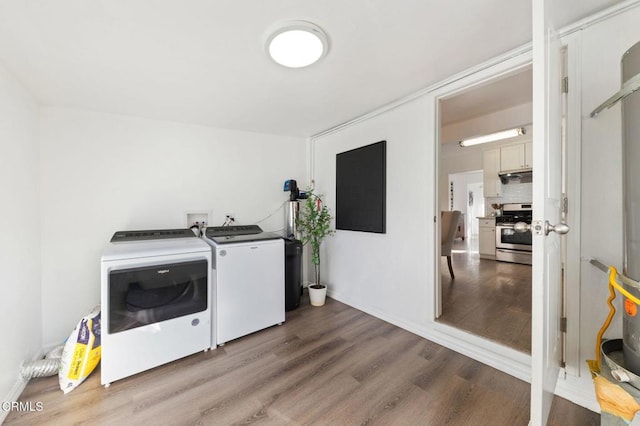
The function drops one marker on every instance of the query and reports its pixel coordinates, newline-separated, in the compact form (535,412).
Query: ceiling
(204,62)
(497,95)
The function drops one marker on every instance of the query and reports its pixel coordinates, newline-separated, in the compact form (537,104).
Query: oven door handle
(538,227)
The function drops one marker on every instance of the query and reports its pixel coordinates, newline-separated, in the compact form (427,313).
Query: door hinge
(565,85)
(435,219)
(563,324)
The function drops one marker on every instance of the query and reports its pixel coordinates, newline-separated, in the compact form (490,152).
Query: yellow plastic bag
(81,353)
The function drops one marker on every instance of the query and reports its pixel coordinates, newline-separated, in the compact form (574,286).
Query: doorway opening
(488,298)
(467,196)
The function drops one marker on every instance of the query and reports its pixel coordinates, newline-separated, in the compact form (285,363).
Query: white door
(546,345)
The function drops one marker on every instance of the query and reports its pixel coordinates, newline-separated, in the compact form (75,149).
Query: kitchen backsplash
(511,193)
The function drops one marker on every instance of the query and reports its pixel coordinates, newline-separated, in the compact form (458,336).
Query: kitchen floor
(487,298)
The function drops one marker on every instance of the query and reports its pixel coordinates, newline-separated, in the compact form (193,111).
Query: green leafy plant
(314,224)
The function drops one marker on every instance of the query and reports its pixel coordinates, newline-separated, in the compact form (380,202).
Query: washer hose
(48,366)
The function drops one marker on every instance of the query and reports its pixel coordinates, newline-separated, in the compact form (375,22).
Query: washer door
(146,295)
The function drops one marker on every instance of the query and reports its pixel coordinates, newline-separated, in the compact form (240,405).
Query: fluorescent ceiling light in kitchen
(297,44)
(493,137)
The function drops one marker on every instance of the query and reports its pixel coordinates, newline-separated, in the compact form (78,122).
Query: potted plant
(314,224)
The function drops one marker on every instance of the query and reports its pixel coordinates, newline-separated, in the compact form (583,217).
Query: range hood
(516,176)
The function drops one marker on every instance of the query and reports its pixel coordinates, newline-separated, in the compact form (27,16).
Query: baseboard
(579,390)
(18,388)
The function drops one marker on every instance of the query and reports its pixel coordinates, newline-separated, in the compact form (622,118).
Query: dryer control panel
(238,234)
(157,234)
(232,230)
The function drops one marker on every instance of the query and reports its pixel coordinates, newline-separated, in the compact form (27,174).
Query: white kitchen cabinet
(487,238)
(515,157)
(491,182)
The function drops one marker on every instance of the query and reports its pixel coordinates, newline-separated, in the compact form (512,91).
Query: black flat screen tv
(361,188)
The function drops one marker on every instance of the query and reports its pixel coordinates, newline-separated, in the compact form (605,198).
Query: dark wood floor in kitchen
(330,365)
(487,298)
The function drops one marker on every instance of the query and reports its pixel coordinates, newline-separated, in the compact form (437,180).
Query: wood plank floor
(330,365)
(487,298)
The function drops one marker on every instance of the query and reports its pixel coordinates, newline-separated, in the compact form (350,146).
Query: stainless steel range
(514,246)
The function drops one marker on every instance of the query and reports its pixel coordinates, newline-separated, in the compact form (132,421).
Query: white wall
(20,294)
(455,159)
(102,173)
(461,182)
(385,273)
(601,229)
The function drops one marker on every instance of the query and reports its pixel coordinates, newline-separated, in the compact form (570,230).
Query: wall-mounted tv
(361,190)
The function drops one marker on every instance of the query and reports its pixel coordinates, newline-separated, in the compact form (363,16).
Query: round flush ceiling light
(297,44)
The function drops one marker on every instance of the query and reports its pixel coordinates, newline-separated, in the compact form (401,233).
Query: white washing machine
(248,275)
(157,300)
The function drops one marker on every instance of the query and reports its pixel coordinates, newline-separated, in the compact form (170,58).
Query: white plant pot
(317,296)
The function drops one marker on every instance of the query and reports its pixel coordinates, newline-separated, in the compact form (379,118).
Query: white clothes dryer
(157,300)
(248,275)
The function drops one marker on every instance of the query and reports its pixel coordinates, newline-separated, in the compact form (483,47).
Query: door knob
(561,228)
(521,227)
(537,227)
